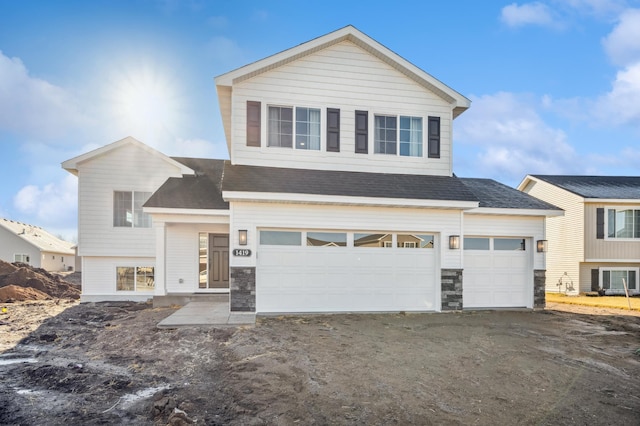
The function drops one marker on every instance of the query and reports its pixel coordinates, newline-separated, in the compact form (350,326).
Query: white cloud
(509,138)
(51,205)
(34,107)
(536,13)
(623,43)
(621,105)
(196,148)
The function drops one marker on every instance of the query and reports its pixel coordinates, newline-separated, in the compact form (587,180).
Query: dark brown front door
(218,261)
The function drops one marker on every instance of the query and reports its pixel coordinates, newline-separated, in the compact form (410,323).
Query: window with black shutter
(333,129)
(253,123)
(362,132)
(434,137)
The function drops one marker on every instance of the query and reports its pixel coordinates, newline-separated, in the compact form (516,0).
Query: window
(386,133)
(307,128)
(21,258)
(135,278)
(372,240)
(411,136)
(415,241)
(623,223)
(471,243)
(612,278)
(280,127)
(409,140)
(327,239)
(516,244)
(280,238)
(127,209)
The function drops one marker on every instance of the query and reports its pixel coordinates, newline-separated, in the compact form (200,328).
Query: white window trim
(372,132)
(618,268)
(133,203)
(135,279)
(350,234)
(28,260)
(606,223)
(265,127)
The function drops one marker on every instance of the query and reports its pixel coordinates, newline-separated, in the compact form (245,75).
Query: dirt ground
(108,364)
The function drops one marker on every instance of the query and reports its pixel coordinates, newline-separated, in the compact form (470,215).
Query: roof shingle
(608,187)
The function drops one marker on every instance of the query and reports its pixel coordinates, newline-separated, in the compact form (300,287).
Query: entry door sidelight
(214,261)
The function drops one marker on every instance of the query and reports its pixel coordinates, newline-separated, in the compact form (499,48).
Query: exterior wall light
(541,246)
(242,237)
(454,242)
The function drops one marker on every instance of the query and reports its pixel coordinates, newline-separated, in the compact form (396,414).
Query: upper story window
(623,223)
(307,130)
(408,139)
(127,209)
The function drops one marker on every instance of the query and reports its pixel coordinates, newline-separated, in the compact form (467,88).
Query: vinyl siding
(57,262)
(10,244)
(564,233)
(346,77)
(253,216)
(530,227)
(99,278)
(585,271)
(127,168)
(607,249)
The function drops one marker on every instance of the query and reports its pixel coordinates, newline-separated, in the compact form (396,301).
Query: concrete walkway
(208,314)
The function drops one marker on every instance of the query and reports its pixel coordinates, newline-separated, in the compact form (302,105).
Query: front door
(214,261)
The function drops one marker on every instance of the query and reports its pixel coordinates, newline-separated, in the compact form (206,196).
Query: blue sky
(554,84)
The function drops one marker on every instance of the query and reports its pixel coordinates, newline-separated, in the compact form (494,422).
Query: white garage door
(330,272)
(497,273)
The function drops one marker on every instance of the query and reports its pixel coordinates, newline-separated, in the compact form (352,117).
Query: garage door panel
(344,279)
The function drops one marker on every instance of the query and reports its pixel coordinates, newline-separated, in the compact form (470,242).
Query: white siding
(57,262)
(342,76)
(182,254)
(253,216)
(124,169)
(10,244)
(508,226)
(607,249)
(564,233)
(99,278)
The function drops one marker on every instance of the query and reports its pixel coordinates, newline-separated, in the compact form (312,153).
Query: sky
(554,84)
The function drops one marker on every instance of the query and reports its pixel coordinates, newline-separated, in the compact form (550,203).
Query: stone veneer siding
(451,294)
(539,298)
(242,289)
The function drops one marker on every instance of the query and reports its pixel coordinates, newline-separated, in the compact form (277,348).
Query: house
(339,195)
(20,242)
(596,244)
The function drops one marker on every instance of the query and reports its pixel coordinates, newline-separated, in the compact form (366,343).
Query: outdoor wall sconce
(242,237)
(454,242)
(541,246)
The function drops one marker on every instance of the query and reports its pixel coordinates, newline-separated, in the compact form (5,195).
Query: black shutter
(595,278)
(333,129)
(434,137)
(600,223)
(362,132)
(253,123)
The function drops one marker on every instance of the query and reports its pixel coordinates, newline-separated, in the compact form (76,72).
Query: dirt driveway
(108,364)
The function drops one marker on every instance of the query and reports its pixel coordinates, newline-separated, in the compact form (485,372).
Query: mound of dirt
(36,279)
(13,292)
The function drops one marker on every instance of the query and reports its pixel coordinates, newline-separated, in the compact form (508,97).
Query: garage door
(300,271)
(497,273)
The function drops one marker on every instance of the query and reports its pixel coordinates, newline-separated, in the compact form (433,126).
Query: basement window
(135,278)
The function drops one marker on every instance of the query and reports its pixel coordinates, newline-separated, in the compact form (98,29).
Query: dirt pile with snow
(19,281)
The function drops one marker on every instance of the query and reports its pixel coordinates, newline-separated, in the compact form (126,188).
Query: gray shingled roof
(609,187)
(342,183)
(201,191)
(494,194)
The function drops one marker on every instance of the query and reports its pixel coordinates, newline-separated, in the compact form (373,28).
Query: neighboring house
(339,196)
(596,244)
(33,245)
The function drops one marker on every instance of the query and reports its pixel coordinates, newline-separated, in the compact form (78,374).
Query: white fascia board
(189,212)
(611,201)
(516,212)
(627,261)
(71,165)
(271,197)
(525,181)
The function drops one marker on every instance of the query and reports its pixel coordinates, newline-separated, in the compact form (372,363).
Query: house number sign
(242,252)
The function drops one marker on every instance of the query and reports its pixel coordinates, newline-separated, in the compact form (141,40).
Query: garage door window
(476,243)
(415,241)
(280,238)
(327,239)
(508,244)
(372,240)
